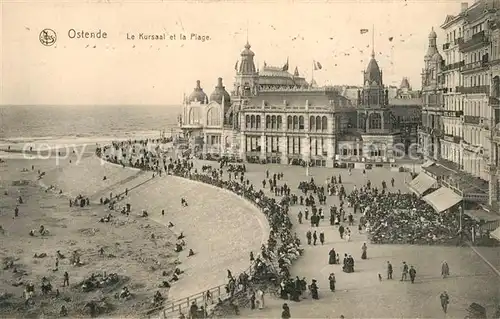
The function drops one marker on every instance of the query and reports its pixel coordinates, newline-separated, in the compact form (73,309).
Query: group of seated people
(402,218)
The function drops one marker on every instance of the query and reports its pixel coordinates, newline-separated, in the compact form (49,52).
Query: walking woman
(364,248)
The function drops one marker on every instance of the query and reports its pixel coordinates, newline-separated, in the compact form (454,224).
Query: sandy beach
(219,226)
(128,248)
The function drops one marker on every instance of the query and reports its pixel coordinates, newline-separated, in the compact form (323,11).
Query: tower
(247,77)
(373,100)
(432,99)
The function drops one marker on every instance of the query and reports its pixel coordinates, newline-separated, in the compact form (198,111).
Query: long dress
(445,270)
(260,298)
(331,279)
(333,257)
(363,254)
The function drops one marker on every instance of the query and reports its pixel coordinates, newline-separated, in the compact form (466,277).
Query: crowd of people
(402,218)
(387,217)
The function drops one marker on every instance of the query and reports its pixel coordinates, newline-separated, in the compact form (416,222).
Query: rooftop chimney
(198,84)
(464,6)
(219,82)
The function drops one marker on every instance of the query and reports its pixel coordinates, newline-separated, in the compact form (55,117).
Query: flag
(317,66)
(236,66)
(363,31)
(285,67)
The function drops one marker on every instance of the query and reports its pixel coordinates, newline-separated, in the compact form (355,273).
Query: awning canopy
(442,199)
(428,163)
(496,233)
(421,183)
(481,215)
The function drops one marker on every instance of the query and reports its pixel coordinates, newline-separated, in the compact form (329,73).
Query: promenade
(361,294)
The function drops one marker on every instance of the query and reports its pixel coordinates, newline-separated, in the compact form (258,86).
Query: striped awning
(442,199)
(421,183)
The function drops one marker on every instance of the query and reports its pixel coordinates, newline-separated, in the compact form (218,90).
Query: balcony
(479,89)
(474,120)
(446,46)
(451,113)
(477,41)
(458,41)
(453,66)
(475,66)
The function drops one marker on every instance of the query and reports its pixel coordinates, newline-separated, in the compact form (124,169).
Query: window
(289,122)
(318,123)
(279,122)
(257,121)
(213,117)
(375,121)
(247,119)
(324,123)
(252,121)
(268,122)
(301,122)
(312,123)
(295,122)
(194,116)
(273,122)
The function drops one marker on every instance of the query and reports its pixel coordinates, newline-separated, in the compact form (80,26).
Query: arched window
(247,120)
(257,121)
(295,122)
(268,121)
(213,116)
(312,123)
(318,123)
(273,122)
(324,123)
(279,122)
(362,121)
(375,121)
(289,122)
(252,121)
(194,116)
(301,122)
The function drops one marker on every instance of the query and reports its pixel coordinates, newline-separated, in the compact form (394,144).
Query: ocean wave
(80,139)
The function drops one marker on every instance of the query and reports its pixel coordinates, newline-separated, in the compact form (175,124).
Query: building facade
(460,115)
(272,115)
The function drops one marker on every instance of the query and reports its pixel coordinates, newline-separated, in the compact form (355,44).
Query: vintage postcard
(253,159)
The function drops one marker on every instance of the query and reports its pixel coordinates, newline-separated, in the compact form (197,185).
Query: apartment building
(452,97)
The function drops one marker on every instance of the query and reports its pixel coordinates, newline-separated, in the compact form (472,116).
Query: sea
(53,126)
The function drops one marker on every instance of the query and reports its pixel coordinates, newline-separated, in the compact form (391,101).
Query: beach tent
(496,234)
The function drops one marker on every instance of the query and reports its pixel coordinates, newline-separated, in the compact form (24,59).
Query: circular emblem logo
(48,37)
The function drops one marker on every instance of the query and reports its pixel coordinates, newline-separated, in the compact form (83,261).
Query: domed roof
(247,51)
(198,95)
(219,93)
(372,73)
(437,57)
(433,34)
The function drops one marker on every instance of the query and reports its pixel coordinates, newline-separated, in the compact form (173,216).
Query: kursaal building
(274,116)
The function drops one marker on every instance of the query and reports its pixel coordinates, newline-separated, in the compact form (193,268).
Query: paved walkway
(360,294)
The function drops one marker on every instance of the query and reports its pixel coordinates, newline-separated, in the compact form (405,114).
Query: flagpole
(312,74)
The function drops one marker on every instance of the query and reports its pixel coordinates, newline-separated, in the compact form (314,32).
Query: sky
(117,70)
